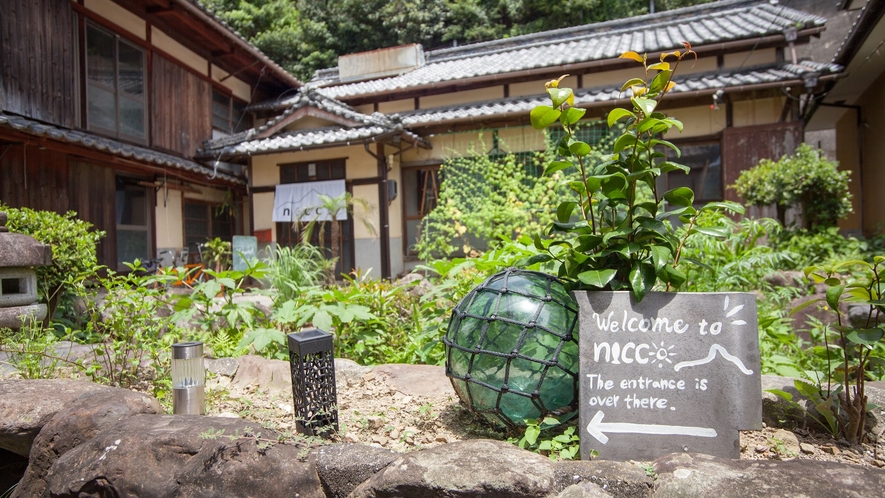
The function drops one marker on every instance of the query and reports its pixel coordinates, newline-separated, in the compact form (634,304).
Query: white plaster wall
(119,16)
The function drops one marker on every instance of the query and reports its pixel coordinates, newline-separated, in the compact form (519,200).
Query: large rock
(273,375)
(166,455)
(77,423)
(416,380)
(349,371)
(619,479)
(476,468)
(695,475)
(343,467)
(27,405)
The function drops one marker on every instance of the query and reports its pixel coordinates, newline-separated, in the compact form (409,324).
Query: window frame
(147,227)
(212,220)
(664,180)
(408,244)
(242,124)
(117,90)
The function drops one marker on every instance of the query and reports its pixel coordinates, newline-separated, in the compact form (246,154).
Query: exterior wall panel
(180,108)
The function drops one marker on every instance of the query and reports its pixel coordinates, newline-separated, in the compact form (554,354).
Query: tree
(805,179)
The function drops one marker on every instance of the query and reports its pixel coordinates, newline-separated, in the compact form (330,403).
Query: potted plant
(659,372)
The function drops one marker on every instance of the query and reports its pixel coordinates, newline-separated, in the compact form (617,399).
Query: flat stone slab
(273,375)
(416,380)
(683,475)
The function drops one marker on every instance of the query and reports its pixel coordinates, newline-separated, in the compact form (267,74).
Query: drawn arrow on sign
(597,428)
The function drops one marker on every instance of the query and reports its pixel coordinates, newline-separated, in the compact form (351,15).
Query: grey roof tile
(587,97)
(115,147)
(718,22)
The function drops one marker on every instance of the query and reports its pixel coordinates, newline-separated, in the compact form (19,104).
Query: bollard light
(313,382)
(188,379)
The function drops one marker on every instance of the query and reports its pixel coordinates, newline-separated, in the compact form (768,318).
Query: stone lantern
(19,254)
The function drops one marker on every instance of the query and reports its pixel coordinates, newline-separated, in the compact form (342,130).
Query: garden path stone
(343,467)
(416,380)
(77,423)
(222,366)
(692,474)
(472,468)
(618,479)
(170,455)
(273,375)
(27,405)
(349,371)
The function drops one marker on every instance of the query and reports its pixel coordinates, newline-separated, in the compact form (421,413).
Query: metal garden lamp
(188,379)
(313,382)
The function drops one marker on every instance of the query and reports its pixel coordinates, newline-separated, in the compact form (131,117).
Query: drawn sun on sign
(662,353)
(732,312)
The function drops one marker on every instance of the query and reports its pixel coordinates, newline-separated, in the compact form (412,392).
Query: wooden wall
(742,148)
(47,180)
(181,114)
(37,59)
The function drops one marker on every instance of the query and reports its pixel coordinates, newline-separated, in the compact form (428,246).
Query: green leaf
(652,224)
(681,196)
(660,256)
(623,142)
(555,166)
(560,96)
(572,115)
(833,295)
(781,394)
(718,232)
(617,114)
(642,279)
(579,149)
(544,116)
(322,320)
(804,305)
(867,337)
(564,211)
(730,206)
(597,278)
(808,390)
(668,166)
(632,82)
(675,149)
(657,84)
(647,106)
(673,276)
(531,434)
(647,124)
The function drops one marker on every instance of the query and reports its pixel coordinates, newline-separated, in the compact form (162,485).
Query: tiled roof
(306,139)
(706,24)
(110,146)
(596,96)
(355,127)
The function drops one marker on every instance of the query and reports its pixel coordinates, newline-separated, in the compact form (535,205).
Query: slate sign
(678,372)
(245,248)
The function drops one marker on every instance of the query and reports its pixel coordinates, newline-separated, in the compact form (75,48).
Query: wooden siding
(37,60)
(181,108)
(50,181)
(742,148)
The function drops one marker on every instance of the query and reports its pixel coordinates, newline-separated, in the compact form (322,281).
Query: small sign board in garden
(245,248)
(677,372)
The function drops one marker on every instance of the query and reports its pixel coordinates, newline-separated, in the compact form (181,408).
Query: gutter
(200,14)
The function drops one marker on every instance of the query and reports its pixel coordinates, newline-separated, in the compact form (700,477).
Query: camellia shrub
(805,179)
(73,244)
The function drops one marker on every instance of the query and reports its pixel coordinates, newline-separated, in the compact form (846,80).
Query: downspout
(859,122)
(383,208)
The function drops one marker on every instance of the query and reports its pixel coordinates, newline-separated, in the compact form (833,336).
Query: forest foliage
(306,35)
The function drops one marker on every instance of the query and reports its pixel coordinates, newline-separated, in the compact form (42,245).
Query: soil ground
(373,412)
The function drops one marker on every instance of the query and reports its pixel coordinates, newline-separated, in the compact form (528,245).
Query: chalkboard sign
(677,372)
(245,249)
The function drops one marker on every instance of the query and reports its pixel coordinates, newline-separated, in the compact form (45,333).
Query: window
(115,85)
(705,177)
(203,221)
(229,115)
(420,196)
(133,222)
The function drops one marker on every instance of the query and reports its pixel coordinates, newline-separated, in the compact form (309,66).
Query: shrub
(806,180)
(295,268)
(73,250)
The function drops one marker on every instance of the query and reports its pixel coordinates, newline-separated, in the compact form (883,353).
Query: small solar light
(188,379)
(313,382)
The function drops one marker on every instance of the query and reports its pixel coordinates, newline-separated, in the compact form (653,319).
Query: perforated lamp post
(313,382)
(188,379)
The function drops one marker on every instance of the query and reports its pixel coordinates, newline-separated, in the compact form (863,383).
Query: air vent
(379,63)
